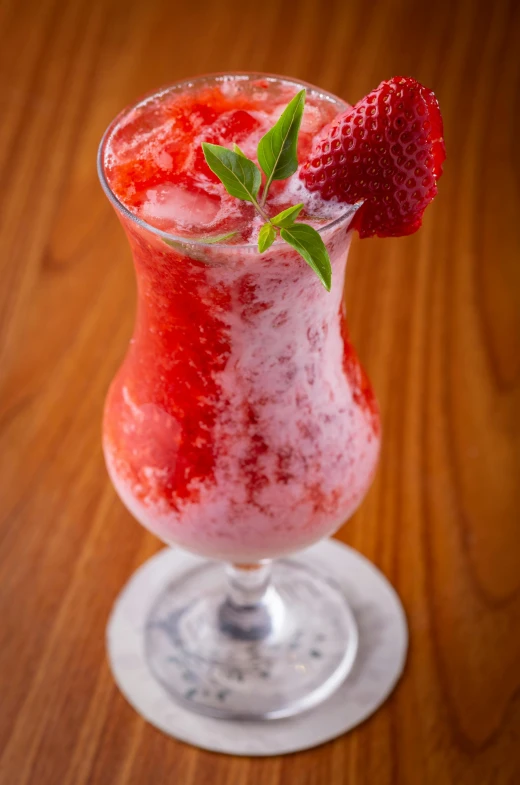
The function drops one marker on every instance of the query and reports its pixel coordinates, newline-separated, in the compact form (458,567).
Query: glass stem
(252,609)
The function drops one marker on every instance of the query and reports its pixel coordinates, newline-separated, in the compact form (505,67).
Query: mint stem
(266,189)
(260,210)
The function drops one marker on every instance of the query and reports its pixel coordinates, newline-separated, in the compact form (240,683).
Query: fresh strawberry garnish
(387,150)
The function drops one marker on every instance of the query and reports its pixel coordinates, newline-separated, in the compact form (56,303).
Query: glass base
(275,657)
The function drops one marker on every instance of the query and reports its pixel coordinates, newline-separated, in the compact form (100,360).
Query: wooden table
(436,318)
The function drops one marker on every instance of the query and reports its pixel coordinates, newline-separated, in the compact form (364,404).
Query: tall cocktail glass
(241,427)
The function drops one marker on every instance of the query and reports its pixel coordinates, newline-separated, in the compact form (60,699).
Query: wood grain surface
(436,319)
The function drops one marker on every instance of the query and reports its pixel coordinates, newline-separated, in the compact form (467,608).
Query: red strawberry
(388,150)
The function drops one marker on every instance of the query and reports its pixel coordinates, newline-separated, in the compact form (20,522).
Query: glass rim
(188,241)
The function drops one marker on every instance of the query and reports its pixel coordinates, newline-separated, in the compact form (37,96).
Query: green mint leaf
(238,151)
(240,176)
(209,240)
(287,217)
(307,241)
(266,237)
(216,238)
(277,150)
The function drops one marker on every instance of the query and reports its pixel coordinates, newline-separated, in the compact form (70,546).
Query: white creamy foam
(321,211)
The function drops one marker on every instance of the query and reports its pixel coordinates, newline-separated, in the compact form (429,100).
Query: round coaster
(383,642)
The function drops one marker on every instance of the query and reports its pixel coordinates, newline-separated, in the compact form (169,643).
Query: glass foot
(245,647)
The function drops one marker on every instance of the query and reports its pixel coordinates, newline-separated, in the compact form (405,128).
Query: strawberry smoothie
(240,425)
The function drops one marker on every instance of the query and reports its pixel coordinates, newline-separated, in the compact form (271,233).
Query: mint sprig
(287,217)
(266,237)
(240,176)
(277,156)
(307,241)
(277,149)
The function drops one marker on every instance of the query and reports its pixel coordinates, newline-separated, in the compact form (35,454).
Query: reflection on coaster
(383,640)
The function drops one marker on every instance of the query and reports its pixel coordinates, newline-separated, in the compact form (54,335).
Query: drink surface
(155,165)
(240,424)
